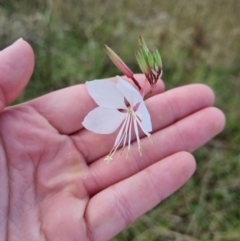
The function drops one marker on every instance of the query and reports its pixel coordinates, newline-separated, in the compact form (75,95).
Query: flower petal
(103,120)
(129,92)
(144,116)
(106,94)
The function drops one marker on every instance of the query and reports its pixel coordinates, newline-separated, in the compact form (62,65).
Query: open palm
(54,182)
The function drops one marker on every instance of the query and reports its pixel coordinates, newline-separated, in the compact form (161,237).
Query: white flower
(113,112)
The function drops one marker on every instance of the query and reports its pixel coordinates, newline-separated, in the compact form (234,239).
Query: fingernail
(20,39)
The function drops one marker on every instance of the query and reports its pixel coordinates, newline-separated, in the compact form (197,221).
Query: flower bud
(143,45)
(118,62)
(157,58)
(149,62)
(142,62)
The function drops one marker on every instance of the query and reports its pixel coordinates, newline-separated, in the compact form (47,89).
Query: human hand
(54,182)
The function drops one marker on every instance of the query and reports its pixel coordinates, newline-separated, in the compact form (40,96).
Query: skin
(54,182)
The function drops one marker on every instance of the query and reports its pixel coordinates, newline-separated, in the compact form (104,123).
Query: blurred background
(199,41)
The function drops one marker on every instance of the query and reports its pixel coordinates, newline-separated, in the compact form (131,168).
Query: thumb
(16,67)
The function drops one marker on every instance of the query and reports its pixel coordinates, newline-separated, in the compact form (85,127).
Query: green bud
(143,44)
(143,48)
(157,58)
(151,60)
(141,62)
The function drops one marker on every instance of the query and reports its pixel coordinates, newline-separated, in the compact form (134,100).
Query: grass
(198,41)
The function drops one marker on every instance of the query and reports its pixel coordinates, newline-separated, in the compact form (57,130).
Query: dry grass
(198,41)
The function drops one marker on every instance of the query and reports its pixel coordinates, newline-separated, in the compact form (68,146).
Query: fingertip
(188,163)
(16,67)
(201,92)
(19,45)
(176,170)
(220,120)
(160,87)
(206,92)
(22,47)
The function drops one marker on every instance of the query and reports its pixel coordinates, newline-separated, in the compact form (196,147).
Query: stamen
(150,138)
(118,140)
(145,132)
(119,136)
(122,150)
(107,159)
(129,135)
(140,149)
(137,135)
(127,155)
(126,130)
